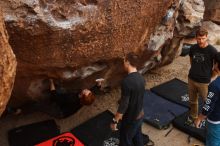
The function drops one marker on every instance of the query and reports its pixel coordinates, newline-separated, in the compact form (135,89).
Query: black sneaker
(189,121)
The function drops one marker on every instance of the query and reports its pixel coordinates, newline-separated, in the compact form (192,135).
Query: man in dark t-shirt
(201,59)
(130,109)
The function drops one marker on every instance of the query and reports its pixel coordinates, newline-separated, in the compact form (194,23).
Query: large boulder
(212,21)
(7,67)
(190,16)
(177,27)
(212,11)
(76,41)
(214,32)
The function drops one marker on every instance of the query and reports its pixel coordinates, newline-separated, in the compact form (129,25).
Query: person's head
(131,61)
(217,63)
(87,97)
(202,37)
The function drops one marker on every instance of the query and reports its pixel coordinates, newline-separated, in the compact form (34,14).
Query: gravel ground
(179,69)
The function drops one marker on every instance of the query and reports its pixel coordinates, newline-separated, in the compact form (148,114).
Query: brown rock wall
(212,11)
(7,67)
(55,38)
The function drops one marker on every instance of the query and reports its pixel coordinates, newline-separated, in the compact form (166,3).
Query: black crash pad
(160,112)
(192,131)
(97,132)
(29,135)
(174,90)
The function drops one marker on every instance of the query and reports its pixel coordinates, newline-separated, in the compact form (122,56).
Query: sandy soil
(179,69)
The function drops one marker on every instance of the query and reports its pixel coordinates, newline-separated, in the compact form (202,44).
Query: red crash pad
(63,139)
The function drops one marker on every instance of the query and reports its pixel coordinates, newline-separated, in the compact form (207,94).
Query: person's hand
(198,121)
(113,127)
(99,81)
(52,86)
(115,121)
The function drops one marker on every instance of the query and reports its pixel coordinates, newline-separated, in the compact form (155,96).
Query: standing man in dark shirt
(211,109)
(130,110)
(201,59)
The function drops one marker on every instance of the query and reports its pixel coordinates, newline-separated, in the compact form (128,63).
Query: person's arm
(123,105)
(191,54)
(208,106)
(52,86)
(210,102)
(214,75)
(125,96)
(53,92)
(98,86)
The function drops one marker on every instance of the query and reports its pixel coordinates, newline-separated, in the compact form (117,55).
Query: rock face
(76,41)
(177,27)
(7,67)
(212,11)
(214,32)
(190,16)
(212,21)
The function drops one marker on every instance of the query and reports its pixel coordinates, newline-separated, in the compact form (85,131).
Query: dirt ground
(178,69)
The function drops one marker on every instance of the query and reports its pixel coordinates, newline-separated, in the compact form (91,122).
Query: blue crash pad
(160,112)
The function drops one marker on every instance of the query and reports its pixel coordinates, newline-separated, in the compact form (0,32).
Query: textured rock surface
(177,27)
(190,16)
(78,40)
(212,21)
(212,11)
(214,32)
(7,67)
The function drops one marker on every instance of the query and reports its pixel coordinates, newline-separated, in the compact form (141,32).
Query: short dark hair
(201,32)
(217,59)
(133,59)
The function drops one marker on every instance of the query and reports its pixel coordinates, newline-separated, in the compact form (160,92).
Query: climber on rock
(70,103)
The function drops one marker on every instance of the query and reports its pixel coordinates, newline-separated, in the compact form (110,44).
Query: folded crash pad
(199,133)
(176,91)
